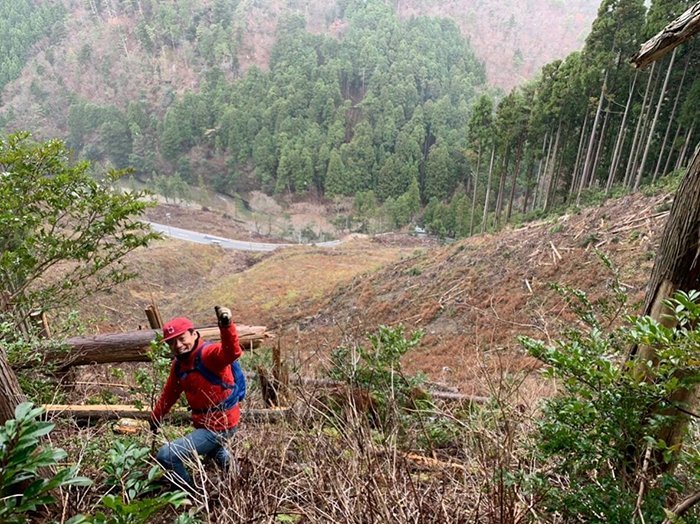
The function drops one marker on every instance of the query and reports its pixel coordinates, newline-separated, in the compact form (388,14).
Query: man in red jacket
(201,370)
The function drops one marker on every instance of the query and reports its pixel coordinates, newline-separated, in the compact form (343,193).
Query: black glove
(155,427)
(223,315)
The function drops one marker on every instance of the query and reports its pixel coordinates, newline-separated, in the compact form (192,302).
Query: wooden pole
(153,316)
(117,411)
(39,319)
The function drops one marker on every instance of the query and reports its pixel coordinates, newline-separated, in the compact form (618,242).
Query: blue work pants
(204,442)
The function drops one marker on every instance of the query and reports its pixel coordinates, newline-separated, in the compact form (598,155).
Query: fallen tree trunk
(674,34)
(117,411)
(132,346)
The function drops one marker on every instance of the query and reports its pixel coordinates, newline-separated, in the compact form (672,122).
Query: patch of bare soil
(205,220)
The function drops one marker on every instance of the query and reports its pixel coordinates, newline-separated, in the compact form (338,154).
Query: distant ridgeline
(395,113)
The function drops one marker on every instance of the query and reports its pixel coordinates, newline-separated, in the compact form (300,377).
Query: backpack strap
(211,377)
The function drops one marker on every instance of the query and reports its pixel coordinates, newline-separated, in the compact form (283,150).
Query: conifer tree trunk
(620,138)
(589,150)
(670,121)
(502,187)
(528,184)
(488,190)
(557,174)
(677,267)
(550,174)
(601,139)
(516,169)
(574,175)
(542,173)
(635,140)
(476,179)
(673,146)
(650,136)
(643,133)
(684,150)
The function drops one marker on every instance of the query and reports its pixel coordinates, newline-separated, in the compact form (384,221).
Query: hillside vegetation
(238,95)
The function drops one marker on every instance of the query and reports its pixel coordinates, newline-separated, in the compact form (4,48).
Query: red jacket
(200,393)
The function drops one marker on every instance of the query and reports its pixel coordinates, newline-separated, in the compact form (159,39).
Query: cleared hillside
(471,298)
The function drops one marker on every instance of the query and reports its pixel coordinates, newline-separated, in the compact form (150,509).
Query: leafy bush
(137,500)
(592,437)
(377,369)
(65,234)
(150,379)
(24,460)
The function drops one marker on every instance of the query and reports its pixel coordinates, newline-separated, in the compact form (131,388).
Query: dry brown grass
(324,465)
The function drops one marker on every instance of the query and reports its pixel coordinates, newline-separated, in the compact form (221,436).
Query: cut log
(132,346)
(118,411)
(681,29)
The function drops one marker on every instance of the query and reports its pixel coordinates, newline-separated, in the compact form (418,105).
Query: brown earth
(471,298)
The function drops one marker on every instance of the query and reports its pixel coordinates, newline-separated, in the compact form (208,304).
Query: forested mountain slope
(155,85)
(393,110)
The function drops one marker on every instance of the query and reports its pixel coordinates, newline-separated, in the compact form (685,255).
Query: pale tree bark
(476,180)
(502,187)
(591,141)
(550,172)
(488,190)
(686,144)
(528,183)
(599,148)
(542,171)
(650,135)
(633,150)
(577,163)
(673,147)
(620,138)
(670,121)
(644,132)
(558,170)
(516,169)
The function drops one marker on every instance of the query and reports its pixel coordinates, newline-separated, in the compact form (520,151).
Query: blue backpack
(238,388)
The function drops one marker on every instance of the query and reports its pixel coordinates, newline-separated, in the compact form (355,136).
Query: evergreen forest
(396,114)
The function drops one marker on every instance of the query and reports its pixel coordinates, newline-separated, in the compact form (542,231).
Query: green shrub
(136,500)
(590,436)
(150,379)
(24,458)
(377,369)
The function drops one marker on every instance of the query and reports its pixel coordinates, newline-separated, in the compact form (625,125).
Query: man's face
(182,344)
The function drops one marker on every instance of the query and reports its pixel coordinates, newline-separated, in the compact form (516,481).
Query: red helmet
(176,327)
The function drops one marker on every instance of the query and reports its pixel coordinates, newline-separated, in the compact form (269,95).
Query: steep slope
(471,298)
(474,297)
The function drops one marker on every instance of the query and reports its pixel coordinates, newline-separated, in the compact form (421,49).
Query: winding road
(225,243)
